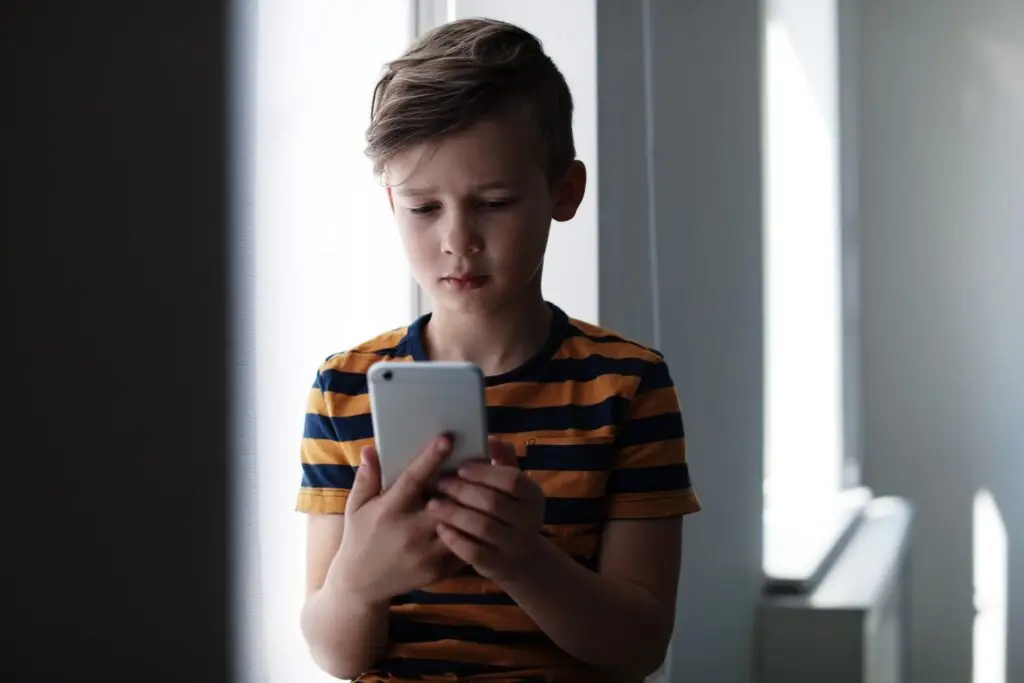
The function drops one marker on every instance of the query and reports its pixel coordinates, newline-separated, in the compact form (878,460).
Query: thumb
(367,483)
(502,453)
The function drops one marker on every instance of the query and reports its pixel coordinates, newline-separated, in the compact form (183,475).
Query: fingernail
(443,443)
(434,504)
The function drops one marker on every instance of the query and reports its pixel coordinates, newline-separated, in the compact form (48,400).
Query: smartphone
(412,403)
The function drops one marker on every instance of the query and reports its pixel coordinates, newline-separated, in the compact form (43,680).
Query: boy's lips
(464,282)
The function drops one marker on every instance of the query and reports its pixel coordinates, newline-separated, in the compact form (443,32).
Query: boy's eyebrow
(421,191)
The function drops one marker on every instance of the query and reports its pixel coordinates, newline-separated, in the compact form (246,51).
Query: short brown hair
(464,72)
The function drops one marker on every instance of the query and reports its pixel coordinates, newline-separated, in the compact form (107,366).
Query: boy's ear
(391,199)
(568,191)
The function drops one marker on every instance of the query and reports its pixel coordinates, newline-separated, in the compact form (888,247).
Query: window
(804,441)
(323,237)
(568,31)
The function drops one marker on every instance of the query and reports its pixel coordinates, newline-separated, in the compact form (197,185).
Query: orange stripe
(581,347)
(649,506)
(498,617)
(315,404)
(577,546)
(668,452)
(343,405)
(464,585)
(553,394)
(321,501)
(571,483)
(327,452)
(359,362)
(605,432)
(477,653)
(654,402)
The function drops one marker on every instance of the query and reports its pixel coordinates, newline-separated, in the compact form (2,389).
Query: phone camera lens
(387,375)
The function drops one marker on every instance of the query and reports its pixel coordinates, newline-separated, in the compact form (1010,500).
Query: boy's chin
(478,302)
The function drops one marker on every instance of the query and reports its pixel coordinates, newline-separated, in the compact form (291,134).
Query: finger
(367,481)
(466,548)
(421,472)
(483,528)
(498,477)
(481,498)
(502,453)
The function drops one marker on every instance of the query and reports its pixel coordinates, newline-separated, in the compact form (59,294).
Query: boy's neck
(499,341)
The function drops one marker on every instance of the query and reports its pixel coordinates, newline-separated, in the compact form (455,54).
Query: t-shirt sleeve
(329,454)
(650,477)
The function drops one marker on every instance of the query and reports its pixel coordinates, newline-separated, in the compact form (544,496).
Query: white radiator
(851,627)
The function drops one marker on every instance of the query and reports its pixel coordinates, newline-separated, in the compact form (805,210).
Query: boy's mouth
(465,282)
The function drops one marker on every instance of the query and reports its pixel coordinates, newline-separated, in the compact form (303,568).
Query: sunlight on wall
(991,590)
(803,409)
(330,271)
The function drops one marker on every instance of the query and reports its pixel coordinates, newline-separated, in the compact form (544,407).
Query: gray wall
(942,211)
(679,139)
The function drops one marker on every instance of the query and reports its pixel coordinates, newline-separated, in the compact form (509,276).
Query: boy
(559,559)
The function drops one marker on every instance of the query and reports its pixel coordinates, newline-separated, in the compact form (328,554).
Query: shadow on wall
(942,155)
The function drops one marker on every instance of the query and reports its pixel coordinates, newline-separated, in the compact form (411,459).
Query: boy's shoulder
(358,359)
(586,339)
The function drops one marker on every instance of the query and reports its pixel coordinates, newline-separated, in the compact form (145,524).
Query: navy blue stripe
(651,429)
(328,476)
(657,377)
(417,668)
(318,427)
(428,598)
(406,631)
(343,428)
(609,338)
(575,457)
(514,420)
(403,348)
(649,479)
(344,382)
(591,367)
(574,510)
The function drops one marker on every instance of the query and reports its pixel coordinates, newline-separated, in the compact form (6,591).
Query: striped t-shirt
(595,421)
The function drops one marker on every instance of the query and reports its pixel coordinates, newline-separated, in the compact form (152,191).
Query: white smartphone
(412,403)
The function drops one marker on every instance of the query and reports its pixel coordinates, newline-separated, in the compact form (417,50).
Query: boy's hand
(390,544)
(492,515)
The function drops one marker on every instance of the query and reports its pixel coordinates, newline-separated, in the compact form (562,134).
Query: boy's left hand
(491,515)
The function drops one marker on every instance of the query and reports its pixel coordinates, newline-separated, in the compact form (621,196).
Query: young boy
(559,559)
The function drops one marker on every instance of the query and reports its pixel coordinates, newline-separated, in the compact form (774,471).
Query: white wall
(942,206)
(567,30)
(323,236)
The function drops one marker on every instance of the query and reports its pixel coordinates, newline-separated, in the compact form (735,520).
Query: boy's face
(474,212)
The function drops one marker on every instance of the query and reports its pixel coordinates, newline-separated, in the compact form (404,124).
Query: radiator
(851,627)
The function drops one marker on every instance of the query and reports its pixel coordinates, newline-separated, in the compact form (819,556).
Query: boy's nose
(461,236)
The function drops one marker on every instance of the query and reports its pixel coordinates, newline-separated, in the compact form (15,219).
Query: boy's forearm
(607,623)
(346,637)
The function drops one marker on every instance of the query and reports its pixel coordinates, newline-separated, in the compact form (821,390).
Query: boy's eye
(498,203)
(423,210)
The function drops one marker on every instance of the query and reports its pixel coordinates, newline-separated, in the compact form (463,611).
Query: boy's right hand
(390,545)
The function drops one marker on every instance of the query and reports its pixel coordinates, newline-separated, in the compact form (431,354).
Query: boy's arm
(345,636)
(621,617)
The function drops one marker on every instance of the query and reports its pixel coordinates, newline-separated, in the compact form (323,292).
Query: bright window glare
(803,409)
(991,590)
(329,271)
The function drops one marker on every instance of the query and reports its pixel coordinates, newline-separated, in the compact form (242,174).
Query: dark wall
(114,209)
